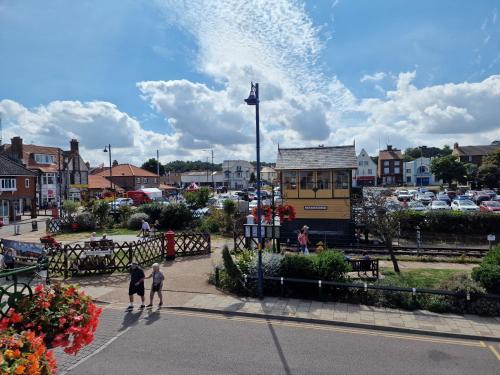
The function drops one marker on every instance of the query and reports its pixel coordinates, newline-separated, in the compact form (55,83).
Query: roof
(338,157)
(167,187)
(267,170)
(34,149)
(9,167)
(98,182)
(126,170)
(475,150)
(393,154)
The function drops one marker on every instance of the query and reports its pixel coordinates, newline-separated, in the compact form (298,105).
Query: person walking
(157,285)
(301,238)
(136,285)
(145,229)
(9,261)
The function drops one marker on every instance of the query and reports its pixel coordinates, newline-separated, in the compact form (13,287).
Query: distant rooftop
(337,157)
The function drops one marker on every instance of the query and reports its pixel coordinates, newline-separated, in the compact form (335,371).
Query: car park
(490,206)
(424,199)
(416,206)
(443,197)
(464,206)
(438,205)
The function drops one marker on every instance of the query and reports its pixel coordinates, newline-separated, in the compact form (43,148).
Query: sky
(171,75)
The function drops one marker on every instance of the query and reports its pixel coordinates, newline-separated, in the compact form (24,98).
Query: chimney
(16,148)
(389,147)
(73,146)
(115,163)
(455,145)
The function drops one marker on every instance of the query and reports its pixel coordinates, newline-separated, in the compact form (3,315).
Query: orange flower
(9,354)
(20,369)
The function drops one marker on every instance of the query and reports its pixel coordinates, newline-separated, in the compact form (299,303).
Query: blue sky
(160,74)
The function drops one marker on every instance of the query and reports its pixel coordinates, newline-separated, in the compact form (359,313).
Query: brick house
(473,154)
(17,190)
(61,174)
(128,177)
(390,166)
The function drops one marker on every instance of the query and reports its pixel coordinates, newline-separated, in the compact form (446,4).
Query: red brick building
(473,154)
(390,166)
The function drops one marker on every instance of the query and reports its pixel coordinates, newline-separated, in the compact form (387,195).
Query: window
(360,163)
(306,180)
(138,180)
(408,178)
(370,171)
(290,180)
(396,162)
(366,162)
(48,179)
(323,179)
(470,157)
(386,163)
(342,180)
(8,184)
(44,159)
(238,174)
(408,171)
(144,180)
(27,183)
(396,170)
(386,170)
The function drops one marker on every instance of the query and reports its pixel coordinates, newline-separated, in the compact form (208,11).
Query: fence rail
(192,243)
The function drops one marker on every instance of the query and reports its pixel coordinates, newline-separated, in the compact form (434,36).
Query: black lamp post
(106,148)
(253,99)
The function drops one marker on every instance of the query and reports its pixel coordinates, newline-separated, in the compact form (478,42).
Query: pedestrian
(144,229)
(10,261)
(155,227)
(157,285)
(301,238)
(136,285)
(365,256)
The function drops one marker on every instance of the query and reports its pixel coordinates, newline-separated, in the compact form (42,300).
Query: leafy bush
(271,264)
(85,221)
(135,220)
(175,216)
(330,265)
(153,210)
(124,213)
(488,273)
(212,223)
(70,207)
(198,199)
(229,265)
(300,267)
(101,210)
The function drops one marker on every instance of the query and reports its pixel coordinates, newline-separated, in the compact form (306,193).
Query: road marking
(494,351)
(359,331)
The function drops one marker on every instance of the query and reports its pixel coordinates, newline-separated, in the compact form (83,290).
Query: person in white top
(144,229)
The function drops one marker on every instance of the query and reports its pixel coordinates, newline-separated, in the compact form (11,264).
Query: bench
(100,244)
(364,265)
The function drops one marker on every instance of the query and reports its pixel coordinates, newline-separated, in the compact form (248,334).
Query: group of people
(146,228)
(136,286)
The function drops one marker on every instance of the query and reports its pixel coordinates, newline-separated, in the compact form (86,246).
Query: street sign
(491,237)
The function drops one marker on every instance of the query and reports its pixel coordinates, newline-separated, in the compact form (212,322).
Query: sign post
(491,238)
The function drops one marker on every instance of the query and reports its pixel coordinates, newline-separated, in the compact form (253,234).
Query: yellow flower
(9,353)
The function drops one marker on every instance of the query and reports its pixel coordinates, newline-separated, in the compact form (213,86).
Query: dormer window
(44,159)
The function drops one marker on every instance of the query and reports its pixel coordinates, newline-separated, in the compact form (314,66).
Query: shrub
(101,210)
(124,213)
(229,266)
(85,221)
(244,259)
(488,273)
(175,216)
(135,220)
(271,264)
(298,266)
(198,199)
(153,210)
(70,207)
(212,223)
(330,265)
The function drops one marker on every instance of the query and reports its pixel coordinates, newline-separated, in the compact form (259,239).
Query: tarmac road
(174,342)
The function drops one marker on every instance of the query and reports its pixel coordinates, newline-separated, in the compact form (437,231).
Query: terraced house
(316,181)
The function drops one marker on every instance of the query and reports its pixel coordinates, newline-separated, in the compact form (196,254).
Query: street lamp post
(106,148)
(253,99)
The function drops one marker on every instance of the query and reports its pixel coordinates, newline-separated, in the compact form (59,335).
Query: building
(418,172)
(17,190)
(202,178)
(99,185)
(316,181)
(128,177)
(268,174)
(473,154)
(366,174)
(237,173)
(171,178)
(61,174)
(390,166)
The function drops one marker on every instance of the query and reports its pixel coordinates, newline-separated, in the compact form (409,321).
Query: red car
(490,206)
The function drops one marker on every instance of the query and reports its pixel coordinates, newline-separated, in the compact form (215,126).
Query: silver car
(438,206)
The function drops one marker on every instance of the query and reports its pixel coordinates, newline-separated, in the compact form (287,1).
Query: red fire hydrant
(170,239)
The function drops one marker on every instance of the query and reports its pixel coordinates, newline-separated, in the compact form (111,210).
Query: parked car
(490,206)
(438,205)
(430,194)
(491,193)
(416,206)
(461,198)
(451,194)
(120,202)
(470,193)
(464,206)
(424,199)
(404,196)
(481,196)
(201,212)
(497,198)
(413,192)
(443,197)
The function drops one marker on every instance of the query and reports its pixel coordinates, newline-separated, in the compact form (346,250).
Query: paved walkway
(487,327)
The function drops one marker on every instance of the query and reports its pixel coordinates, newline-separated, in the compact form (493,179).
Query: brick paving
(350,313)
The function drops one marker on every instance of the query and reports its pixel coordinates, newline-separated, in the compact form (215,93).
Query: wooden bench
(99,244)
(364,265)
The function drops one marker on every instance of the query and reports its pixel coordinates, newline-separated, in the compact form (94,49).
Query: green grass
(419,277)
(86,235)
(434,259)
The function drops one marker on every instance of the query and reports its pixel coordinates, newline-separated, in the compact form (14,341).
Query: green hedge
(450,222)
(488,273)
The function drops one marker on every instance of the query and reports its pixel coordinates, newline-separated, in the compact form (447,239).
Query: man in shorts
(136,285)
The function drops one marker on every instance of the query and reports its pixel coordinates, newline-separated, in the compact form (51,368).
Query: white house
(418,172)
(366,174)
(237,173)
(268,174)
(202,178)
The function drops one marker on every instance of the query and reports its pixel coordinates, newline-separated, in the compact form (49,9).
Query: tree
(448,169)
(413,153)
(374,214)
(70,207)
(489,172)
(151,166)
(252,178)
(198,199)
(471,170)
(229,207)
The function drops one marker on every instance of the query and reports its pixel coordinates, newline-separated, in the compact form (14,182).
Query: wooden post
(65,262)
(130,252)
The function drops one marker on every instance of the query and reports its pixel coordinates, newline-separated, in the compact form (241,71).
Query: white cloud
(379,76)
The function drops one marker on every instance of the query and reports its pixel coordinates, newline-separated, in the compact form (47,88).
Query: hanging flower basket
(286,212)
